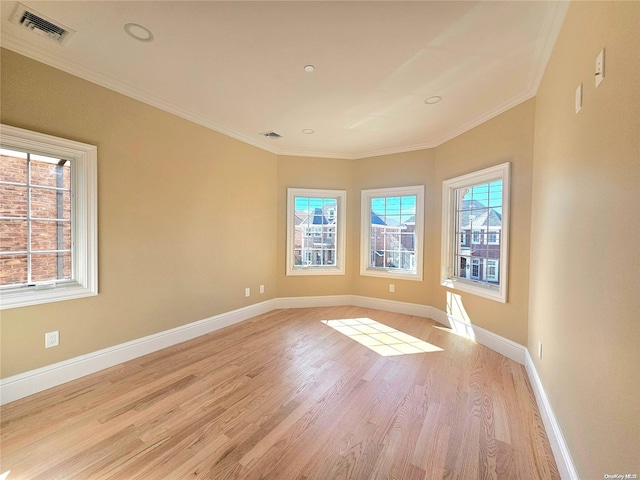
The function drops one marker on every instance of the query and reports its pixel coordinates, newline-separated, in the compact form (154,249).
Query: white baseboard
(309,302)
(393,306)
(495,342)
(504,346)
(556,438)
(28,383)
(34,381)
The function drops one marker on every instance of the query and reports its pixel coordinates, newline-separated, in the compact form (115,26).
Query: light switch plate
(578,98)
(600,67)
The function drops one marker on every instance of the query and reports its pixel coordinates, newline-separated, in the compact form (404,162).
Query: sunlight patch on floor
(4,475)
(458,317)
(380,338)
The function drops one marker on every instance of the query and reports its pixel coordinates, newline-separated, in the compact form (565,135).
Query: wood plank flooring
(285,396)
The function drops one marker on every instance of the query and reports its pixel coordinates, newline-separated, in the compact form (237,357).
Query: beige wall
(189,218)
(324,173)
(163,265)
(584,300)
(399,170)
(508,137)
(505,138)
(186,217)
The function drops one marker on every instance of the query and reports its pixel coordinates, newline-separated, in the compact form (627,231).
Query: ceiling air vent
(271,134)
(41,25)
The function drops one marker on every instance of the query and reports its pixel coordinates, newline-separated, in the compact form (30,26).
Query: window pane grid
(35,221)
(477,229)
(392,240)
(315,235)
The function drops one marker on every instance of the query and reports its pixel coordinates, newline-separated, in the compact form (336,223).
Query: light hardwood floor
(285,396)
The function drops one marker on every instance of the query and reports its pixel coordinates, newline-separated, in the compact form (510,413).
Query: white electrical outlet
(51,339)
(392,288)
(540,350)
(261,288)
(247,292)
(600,67)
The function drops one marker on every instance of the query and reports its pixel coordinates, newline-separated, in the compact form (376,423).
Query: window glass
(392,232)
(315,229)
(475,232)
(48,218)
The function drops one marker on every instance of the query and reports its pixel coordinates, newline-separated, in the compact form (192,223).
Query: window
(48,218)
(492,270)
(315,231)
(392,230)
(476,204)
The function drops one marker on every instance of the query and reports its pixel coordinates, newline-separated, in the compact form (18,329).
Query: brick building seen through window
(35,219)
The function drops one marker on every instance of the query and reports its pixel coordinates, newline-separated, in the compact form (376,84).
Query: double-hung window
(476,205)
(392,231)
(48,218)
(316,231)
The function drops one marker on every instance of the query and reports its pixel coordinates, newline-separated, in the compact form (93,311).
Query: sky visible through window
(309,204)
(488,194)
(401,208)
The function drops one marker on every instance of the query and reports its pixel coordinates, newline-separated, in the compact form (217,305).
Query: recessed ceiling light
(309,68)
(433,99)
(138,32)
(307,131)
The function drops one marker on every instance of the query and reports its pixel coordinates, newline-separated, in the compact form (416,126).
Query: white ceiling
(238,67)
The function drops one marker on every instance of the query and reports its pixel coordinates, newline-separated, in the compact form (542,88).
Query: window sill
(475,288)
(384,273)
(32,296)
(315,271)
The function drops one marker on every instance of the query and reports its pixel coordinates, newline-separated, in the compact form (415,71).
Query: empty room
(319,240)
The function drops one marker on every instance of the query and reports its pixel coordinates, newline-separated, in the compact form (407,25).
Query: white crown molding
(494,112)
(549,31)
(12,42)
(554,17)
(556,438)
(303,153)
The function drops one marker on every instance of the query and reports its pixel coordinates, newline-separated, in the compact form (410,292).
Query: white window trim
(449,188)
(340,231)
(365,237)
(84,188)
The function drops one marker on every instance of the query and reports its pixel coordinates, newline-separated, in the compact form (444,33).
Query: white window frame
(84,222)
(340,231)
(449,187)
(365,232)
